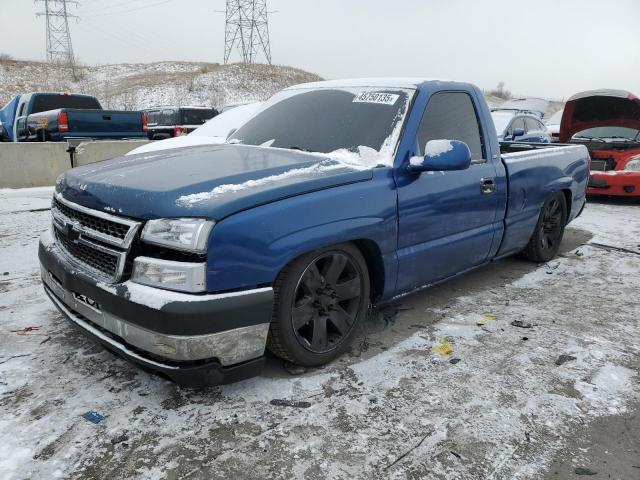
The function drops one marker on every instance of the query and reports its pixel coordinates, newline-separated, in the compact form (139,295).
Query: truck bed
(113,124)
(533,170)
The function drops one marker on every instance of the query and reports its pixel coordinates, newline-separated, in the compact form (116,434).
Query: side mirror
(442,155)
(517,132)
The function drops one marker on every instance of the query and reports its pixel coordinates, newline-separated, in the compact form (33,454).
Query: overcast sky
(551,48)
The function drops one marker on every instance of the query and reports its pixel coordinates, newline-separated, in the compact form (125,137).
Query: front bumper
(614,182)
(193,339)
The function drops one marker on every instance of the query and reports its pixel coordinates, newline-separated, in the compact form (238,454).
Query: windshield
(222,124)
(326,120)
(195,116)
(501,120)
(43,103)
(609,134)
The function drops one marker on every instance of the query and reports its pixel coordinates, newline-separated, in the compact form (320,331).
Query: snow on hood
(599,108)
(211,181)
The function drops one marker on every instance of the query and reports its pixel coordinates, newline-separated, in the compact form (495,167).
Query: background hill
(139,85)
(131,86)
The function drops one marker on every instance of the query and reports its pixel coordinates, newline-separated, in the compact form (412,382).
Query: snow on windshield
(355,125)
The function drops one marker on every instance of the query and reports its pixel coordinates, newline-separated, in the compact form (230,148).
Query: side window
(517,123)
(168,117)
(152,117)
(532,125)
(451,116)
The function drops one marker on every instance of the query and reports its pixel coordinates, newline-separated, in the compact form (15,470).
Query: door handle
(487,186)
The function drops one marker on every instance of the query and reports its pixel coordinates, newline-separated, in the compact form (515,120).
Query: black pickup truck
(52,117)
(172,121)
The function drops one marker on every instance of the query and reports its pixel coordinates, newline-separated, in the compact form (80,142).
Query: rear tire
(545,241)
(320,300)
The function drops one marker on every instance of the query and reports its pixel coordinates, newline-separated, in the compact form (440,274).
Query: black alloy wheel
(319,301)
(552,225)
(547,236)
(326,302)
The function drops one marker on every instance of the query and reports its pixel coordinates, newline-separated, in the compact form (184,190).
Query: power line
(59,47)
(247,29)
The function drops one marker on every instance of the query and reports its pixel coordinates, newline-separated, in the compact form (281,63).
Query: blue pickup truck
(336,196)
(52,117)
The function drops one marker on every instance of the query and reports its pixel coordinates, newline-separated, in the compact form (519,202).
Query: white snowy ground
(391,407)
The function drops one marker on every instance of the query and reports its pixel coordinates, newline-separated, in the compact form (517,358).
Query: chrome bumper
(228,347)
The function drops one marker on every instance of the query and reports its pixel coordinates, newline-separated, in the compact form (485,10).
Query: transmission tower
(59,48)
(247,29)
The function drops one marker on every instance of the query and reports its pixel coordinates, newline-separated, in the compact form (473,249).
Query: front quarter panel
(250,248)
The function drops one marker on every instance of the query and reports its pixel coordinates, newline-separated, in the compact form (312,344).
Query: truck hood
(211,181)
(599,108)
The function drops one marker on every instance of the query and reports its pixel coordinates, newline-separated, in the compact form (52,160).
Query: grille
(104,263)
(97,224)
(602,164)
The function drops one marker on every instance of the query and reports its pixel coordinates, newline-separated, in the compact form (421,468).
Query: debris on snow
(521,324)
(443,348)
(562,359)
(289,403)
(93,417)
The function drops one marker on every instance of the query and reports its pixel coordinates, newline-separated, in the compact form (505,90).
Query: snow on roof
(601,93)
(369,82)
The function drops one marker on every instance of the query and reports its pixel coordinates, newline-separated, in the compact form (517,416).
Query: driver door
(446,219)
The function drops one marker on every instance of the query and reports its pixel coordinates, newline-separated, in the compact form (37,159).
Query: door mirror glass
(442,155)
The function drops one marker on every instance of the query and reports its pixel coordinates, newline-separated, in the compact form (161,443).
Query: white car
(553,125)
(212,132)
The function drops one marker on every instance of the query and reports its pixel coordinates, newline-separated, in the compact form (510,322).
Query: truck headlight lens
(181,276)
(188,234)
(633,165)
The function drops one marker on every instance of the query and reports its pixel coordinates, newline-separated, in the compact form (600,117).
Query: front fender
(250,248)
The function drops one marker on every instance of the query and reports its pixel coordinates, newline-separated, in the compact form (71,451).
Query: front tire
(545,241)
(320,299)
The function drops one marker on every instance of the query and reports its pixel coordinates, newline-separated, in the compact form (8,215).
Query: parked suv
(171,121)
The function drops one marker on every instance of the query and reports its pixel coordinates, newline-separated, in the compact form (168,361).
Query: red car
(608,122)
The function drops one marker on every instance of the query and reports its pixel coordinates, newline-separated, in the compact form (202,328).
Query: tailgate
(105,123)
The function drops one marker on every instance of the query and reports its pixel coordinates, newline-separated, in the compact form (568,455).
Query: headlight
(633,165)
(188,234)
(182,276)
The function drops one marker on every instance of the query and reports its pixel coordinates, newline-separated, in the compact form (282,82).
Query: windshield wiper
(294,147)
(586,137)
(618,137)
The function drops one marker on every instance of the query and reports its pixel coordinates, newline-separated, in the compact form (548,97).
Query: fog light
(181,276)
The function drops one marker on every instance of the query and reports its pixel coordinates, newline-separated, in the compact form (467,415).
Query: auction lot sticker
(376,97)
